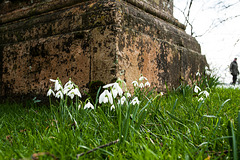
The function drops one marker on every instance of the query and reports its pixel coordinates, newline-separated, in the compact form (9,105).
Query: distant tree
(219,6)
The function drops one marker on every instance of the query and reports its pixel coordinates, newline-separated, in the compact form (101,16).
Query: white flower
(208,72)
(71,94)
(57,86)
(196,89)
(88,105)
(112,107)
(122,100)
(105,97)
(135,100)
(116,90)
(128,94)
(135,83)
(141,85)
(109,85)
(147,84)
(200,99)
(50,91)
(67,87)
(66,90)
(205,93)
(74,92)
(142,78)
(79,106)
(77,92)
(198,74)
(69,84)
(59,94)
(161,93)
(52,80)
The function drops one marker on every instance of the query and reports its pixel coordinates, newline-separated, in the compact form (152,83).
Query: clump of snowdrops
(115,101)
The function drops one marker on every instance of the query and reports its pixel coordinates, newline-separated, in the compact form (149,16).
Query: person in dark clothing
(234,70)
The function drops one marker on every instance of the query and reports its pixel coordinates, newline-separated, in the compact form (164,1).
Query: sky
(220,44)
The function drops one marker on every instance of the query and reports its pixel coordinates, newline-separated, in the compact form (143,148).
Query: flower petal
(108,85)
(135,83)
(135,101)
(112,107)
(141,85)
(128,94)
(147,84)
(196,89)
(50,92)
(59,94)
(142,78)
(88,105)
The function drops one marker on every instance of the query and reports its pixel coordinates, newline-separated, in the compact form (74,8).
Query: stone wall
(92,40)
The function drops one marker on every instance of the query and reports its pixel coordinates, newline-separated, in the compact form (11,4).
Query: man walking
(234,70)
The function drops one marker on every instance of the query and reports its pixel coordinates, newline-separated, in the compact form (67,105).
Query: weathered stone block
(92,40)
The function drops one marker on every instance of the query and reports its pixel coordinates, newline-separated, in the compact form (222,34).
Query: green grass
(173,126)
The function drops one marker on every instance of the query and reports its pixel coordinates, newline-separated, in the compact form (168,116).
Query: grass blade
(174,117)
(174,106)
(233,141)
(238,124)
(222,106)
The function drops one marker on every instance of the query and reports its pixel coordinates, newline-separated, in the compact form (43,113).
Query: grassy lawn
(181,124)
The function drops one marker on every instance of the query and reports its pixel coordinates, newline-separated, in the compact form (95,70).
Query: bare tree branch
(218,6)
(227,6)
(215,24)
(102,146)
(189,8)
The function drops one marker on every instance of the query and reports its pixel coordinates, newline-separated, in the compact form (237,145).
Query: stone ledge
(43,7)
(36,9)
(160,14)
(51,24)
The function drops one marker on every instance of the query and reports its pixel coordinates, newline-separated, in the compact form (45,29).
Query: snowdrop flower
(208,72)
(135,83)
(117,90)
(135,100)
(77,92)
(196,89)
(122,100)
(88,105)
(147,84)
(52,80)
(66,90)
(141,85)
(200,99)
(112,107)
(69,84)
(57,86)
(59,94)
(105,97)
(198,74)
(67,87)
(71,94)
(50,91)
(205,93)
(161,93)
(128,94)
(142,78)
(74,92)
(109,85)
(79,106)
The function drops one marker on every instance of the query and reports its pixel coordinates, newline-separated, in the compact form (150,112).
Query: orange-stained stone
(93,40)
